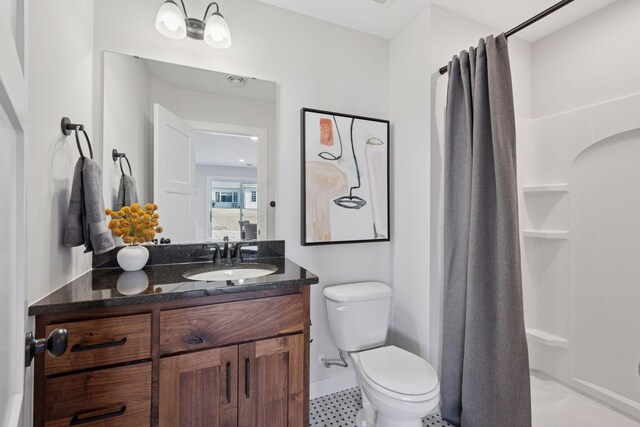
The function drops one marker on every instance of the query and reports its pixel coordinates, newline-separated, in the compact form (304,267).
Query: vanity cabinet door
(199,389)
(271,382)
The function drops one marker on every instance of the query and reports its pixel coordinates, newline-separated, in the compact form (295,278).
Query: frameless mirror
(197,143)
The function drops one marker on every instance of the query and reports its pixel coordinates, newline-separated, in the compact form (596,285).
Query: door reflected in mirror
(200,147)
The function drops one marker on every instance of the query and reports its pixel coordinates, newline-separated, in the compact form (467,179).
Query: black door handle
(80,347)
(76,420)
(56,345)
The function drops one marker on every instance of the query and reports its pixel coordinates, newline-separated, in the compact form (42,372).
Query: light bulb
(216,32)
(170,21)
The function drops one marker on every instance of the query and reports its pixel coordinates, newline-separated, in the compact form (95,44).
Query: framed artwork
(345,178)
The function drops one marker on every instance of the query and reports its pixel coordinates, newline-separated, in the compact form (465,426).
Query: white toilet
(398,387)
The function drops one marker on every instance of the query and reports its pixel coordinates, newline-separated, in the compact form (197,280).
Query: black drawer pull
(79,347)
(228,382)
(247,378)
(76,420)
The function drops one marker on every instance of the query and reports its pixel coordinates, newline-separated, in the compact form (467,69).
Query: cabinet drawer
(100,342)
(222,324)
(106,398)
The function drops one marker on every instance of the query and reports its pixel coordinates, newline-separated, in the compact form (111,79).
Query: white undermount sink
(230,272)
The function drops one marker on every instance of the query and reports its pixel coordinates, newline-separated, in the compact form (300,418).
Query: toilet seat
(398,373)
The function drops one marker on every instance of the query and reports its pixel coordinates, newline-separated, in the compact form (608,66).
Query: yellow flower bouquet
(134,223)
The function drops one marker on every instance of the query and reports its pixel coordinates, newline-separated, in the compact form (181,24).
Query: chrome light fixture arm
(217,12)
(184,9)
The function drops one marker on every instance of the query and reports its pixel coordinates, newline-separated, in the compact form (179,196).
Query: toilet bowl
(401,387)
(398,388)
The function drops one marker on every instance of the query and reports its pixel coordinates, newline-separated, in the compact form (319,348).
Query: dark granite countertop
(113,287)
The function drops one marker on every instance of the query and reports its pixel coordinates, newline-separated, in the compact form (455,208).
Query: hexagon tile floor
(339,410)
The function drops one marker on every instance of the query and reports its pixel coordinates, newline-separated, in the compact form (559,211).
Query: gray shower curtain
(485,366)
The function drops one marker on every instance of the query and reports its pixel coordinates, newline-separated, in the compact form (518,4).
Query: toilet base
(361,419)
(383,421)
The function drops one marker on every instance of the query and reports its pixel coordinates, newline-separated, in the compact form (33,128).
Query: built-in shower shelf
(546,234)
(546,338)
(547,188)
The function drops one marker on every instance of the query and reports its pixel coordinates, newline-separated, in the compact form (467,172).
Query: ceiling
(196,79)
(385,21)
(225,150)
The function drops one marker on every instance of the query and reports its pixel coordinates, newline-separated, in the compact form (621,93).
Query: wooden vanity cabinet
(271,382)
(200,389)
(237,360)
(256,384)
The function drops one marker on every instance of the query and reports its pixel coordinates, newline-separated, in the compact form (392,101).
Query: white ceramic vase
(133,258)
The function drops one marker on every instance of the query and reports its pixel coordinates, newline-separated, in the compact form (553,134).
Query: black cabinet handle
(79,347)
(76,420)
(247,378)
(228,382)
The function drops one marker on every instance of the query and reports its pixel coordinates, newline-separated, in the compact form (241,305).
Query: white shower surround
(580,192)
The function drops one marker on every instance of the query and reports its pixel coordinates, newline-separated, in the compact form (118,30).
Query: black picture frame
(304,241)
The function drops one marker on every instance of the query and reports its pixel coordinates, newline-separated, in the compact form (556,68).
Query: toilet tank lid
(358,291)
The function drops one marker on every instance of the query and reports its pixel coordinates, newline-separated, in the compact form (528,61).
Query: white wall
(590,61)
(60,79)
(58,64)
(128,111)
(316,64)
(410,68)
(418,99)
(239,174)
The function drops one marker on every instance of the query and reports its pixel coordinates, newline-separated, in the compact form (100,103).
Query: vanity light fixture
(174,23)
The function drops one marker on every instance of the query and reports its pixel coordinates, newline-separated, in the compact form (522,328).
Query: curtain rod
(528,22)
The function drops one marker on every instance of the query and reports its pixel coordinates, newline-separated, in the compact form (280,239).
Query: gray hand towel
(73,228)
(86,218)
(100,238)
(127,192)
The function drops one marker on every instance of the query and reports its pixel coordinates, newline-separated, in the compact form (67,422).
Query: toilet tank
(358,314)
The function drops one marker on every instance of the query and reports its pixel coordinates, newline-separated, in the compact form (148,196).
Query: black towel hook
(67,127)
(119,156)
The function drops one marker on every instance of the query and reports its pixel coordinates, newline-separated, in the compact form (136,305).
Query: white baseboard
(330,385)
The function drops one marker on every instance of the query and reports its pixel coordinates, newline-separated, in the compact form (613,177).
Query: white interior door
(12,303)
(14,390)
(174,174)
